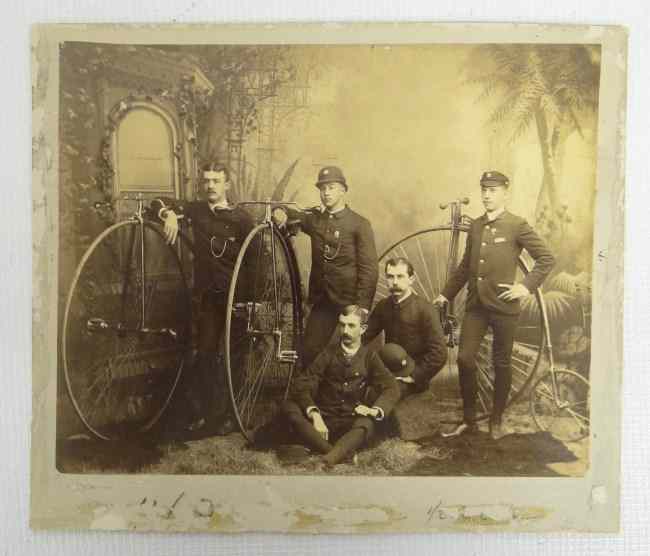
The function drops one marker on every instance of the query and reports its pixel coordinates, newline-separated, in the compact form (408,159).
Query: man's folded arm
(160,205)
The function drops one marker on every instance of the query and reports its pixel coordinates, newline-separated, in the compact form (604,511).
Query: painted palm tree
(553,87)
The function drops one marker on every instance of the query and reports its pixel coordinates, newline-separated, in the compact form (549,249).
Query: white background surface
(15,279)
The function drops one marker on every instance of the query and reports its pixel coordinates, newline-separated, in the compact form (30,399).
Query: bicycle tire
(135,374)
(423,252)
(567,417)
(257,380)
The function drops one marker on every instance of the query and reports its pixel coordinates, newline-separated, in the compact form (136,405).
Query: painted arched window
(145,152)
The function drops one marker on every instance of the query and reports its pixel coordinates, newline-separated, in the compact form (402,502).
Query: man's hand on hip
(512,292)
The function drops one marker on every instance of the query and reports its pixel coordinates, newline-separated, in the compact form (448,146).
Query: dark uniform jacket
(343,256)
(218,237)
(336,384)
(491,255)
(415,325)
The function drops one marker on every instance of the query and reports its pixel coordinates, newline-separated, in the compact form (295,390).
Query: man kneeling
(326,408)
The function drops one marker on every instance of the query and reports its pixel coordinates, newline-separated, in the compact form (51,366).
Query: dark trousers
(475,325)
(208,389)
(346,434)
(423,374)
(321,325)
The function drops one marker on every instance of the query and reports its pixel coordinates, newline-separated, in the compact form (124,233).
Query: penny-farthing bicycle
(558,398)
(127,332)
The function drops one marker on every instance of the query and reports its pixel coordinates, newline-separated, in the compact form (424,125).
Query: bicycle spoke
(480,397)
(260,384)
(545,391)
(424,265)
(482,388)
(248,402)
(273,297)
(527,345)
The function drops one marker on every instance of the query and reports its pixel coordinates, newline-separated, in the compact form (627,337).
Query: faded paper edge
(86,495)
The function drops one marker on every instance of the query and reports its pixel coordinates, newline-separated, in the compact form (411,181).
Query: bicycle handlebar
(462,201)
(273,204)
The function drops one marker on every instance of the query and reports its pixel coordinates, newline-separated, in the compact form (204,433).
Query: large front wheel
(433,253)
(126,331)
(263,327)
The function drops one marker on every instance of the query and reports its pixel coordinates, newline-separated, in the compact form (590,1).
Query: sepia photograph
(341,260)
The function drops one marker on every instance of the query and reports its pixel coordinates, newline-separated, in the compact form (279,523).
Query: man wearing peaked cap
(343,259)
(494,179)
(488,267)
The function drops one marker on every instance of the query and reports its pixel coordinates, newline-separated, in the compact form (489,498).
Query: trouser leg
(304,428)
(359,434)
(208,388)
(503,327)
(423,374)
(472,332)
(321,325)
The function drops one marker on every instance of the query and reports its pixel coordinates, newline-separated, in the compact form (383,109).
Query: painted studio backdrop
(412,127)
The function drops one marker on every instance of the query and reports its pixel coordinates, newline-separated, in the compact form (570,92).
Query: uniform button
(480,278)
(483,244)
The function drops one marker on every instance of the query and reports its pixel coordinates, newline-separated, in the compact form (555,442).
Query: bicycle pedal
(245,310)
(95,324)
(288,356)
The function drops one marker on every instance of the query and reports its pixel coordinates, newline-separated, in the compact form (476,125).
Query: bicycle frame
(100,325)
(283,356)
(457,223)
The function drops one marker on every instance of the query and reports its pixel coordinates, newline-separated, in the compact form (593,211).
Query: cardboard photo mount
(309,504)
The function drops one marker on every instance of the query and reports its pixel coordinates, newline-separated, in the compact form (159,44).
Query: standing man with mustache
(494,243)
(219,231)
(343,259)
(410,322)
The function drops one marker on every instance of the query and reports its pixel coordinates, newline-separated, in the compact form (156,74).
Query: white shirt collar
(495,214)
(223,205)
(350,352)
(324,209)
(404,298)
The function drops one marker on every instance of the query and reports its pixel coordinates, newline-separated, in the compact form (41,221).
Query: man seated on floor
(411,322)
(326,408)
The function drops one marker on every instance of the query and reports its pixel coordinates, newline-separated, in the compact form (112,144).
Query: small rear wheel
(559,403)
